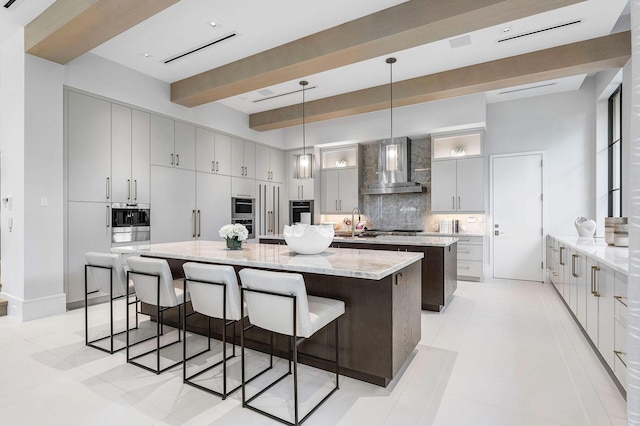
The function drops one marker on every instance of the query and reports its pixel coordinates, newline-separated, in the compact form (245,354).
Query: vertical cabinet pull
(302,191)
(108,189)
(193,216)
(217,167)
(129,186)
(199,223)
(213,166)
(177,159)
(453,202)
(336,205)
(108,218)
(277,214)
(458,202)
(135,189)
(573,265)
(561,257)
(172,159)
(594,281)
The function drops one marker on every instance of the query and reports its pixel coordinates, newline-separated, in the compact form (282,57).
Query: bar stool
(214,293)
(154,285)
(278,302)
(108,276)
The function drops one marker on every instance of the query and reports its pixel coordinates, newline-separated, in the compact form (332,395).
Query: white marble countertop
(612,256)
(355,263)
(387,239)
(457,235)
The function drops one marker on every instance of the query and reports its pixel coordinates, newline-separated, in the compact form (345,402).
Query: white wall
(563,127)
(97,75)
(413,121)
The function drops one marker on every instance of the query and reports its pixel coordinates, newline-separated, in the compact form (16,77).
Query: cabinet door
(89,144)
(605,288)
(470,185)
(161,133)
(205,150)
(582,288)
(443,186)
(263,167)
(250,159)
(223,154)
(348,186)
(237,157)
(243,188)
(277,161)
(185,146)
(90,230)
(121,183)
(140,167)
(329,191)
(592,303)
(213,203)
(173,201)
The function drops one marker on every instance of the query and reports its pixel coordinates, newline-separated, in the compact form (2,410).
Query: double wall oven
(130,223)
(243,212)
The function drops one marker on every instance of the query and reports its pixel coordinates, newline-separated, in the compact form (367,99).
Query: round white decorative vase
(585,227)
(308,239)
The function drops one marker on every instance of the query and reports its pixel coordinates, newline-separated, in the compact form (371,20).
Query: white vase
(585,227)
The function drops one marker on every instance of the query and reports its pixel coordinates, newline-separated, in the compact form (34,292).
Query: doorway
(517,212)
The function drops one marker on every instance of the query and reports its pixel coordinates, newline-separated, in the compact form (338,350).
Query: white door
(517,216)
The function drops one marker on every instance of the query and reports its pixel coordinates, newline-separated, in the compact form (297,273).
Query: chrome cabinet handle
(217,167)
(135,189)
(108,191)
(573,265)
(108,218)
(302,191)
(277,215)
(129,185)
(336,205)
(458,202)
(177,159)
(594,281)
(340,205)
(453,202)
(172,159)
(561,257)
(199,223)
(619,299)
(213,167)
(193,216)
(618,353)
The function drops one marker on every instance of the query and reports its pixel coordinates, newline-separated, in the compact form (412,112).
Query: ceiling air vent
(554,27)
(526,88)
(9,3)
(204,46)
(282,94)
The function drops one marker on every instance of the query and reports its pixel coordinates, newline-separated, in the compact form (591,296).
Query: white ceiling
(266,24)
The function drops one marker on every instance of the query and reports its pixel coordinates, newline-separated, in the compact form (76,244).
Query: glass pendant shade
(305,166)
(392,155)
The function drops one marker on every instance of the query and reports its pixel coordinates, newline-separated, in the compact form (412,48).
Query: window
(615,153)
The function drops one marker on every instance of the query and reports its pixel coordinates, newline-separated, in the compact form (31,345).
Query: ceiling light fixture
(213,24)
(146,55)
(392,150)
(304,161)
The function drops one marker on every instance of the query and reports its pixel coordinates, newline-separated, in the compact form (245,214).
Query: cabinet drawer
(464,240)
(470,268)
(469,252)
(620,352)
(620,309)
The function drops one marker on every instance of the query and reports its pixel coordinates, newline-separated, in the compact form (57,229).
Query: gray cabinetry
(173,143)
(457,185)
(243,158)
(173,201)
(339,189)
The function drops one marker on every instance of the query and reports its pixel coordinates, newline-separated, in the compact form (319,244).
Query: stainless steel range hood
(394,168)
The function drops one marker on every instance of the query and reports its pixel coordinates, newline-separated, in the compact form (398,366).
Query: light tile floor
(504,353)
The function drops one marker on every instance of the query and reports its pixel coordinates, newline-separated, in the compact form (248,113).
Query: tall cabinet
(457,173)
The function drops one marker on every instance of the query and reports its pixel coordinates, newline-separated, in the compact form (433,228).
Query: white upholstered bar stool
(154,285)
(278,302)
(214,293)
(106,274)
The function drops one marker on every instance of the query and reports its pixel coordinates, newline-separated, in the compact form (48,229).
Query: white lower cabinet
(579,283)
(470,257)
(89,230)
(213,204)
(173,204)
(620,328)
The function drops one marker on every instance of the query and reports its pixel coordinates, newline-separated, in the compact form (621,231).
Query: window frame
(612,192)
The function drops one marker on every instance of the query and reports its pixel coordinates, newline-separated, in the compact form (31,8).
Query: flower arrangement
(234,234)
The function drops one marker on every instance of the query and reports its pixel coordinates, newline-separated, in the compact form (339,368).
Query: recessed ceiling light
(213,24)
(146,55)
(506,29)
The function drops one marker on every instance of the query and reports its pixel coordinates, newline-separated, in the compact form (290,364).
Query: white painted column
(633,338)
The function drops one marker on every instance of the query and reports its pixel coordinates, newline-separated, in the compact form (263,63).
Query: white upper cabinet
(205,149)
(129,155)
(339,190)
(243,158)
(269,164)
(89,148)
(223,154)
(173,143)
(457,185)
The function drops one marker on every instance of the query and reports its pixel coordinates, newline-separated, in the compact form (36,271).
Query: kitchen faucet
(353,224)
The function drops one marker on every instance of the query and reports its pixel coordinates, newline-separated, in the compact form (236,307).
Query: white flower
(236,230)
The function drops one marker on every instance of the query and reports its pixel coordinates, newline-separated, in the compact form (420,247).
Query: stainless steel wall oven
(130,223)
(243,212)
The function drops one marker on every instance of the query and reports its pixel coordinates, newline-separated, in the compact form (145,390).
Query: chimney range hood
(394,168)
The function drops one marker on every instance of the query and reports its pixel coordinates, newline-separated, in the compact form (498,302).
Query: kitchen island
(439,265)
(381,291)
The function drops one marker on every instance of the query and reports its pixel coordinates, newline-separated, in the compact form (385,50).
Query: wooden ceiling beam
(407,25)
(588,56)
(70,28)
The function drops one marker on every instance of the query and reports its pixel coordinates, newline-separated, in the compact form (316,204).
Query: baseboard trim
(31,309)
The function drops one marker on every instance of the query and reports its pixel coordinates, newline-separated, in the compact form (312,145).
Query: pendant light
(304,162)
(392,150)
